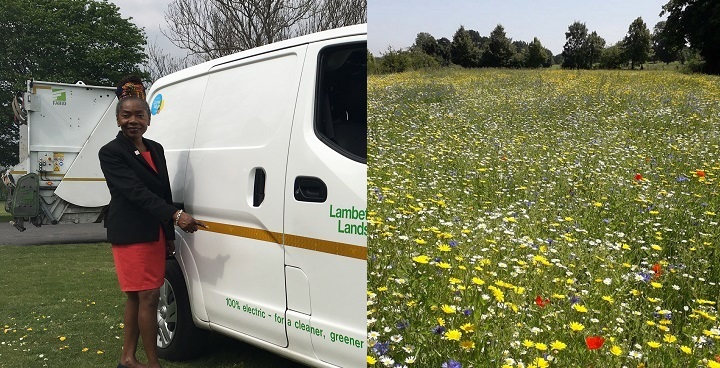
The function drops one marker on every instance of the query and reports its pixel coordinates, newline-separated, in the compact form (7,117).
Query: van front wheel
(178,337)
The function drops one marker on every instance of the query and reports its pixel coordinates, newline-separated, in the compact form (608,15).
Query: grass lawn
(4,216)
(61,307)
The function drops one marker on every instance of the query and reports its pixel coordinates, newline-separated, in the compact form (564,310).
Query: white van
(268,148)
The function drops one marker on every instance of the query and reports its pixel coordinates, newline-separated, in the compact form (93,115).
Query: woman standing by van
(140,219)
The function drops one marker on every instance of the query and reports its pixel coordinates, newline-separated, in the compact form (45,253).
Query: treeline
(467,49)
(690,35)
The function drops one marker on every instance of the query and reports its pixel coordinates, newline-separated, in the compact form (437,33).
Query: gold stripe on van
(84,179)
(244,232)
(318,245)
(35,88)
(18,172)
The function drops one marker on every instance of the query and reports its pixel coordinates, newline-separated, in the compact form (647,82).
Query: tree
(594,46)
(426,43)
(462,50)
(61,41)
(217,28)
(480,41)
(574,50)
(664,48)
(444,49)
(698,22)
(500,49)
(536,56)
(613,57)
(160,64)
(637,43)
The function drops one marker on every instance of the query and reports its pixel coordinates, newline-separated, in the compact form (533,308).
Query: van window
(341,119)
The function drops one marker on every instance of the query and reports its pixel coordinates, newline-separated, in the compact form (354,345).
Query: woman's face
(133,119)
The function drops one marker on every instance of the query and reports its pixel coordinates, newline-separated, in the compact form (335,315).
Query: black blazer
(140,198)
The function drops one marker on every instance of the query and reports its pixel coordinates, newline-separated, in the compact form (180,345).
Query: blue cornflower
(453,243)
(645,276)
(467,312)
(401,325)
(438,330)
(381,348)
(452,364)
(574,299)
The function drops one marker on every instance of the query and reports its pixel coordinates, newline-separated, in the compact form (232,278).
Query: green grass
(4,216)
(518,215)
(61,307)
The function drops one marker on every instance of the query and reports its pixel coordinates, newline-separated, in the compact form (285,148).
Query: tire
(178,337)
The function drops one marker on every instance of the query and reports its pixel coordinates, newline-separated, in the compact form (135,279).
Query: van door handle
(310,189)
(259,187)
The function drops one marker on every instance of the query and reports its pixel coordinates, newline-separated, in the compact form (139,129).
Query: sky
(150,15)
(396,23)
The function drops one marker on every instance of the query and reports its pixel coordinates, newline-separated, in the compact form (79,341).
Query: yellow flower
(608,299)
(467,345)
(421,259)
(656,247)
(528,343)
(713,364)
(447,309)
(468,328)
(382,288)
(62,338)
(420,241)
(616,350)
(540,346)
(478,281)
(576,326)
(371,360)
(656,285)
(444,248)
(540,362)
(444,265)
(455,281)
(580,308)
(558,345)
(686,349)
(441,321)
(453,335)
(654,344)
(669,338)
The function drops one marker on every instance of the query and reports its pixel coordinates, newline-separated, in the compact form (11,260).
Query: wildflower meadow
(544,219)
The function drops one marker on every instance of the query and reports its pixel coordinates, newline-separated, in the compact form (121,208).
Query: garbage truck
(267,147)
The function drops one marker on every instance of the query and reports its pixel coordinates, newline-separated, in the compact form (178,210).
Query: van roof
(199,69)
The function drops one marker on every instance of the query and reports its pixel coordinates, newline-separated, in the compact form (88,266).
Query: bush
(398,61)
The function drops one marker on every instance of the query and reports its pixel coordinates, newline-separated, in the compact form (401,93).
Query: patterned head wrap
(130,89)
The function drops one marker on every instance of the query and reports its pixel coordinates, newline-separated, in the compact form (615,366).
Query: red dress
(141,266)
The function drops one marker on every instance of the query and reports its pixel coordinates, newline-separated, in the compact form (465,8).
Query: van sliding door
(235,183)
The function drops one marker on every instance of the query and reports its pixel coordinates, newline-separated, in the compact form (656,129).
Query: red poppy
(657,269)
(638,177)
(700,173)
(594,342)
(541,302)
